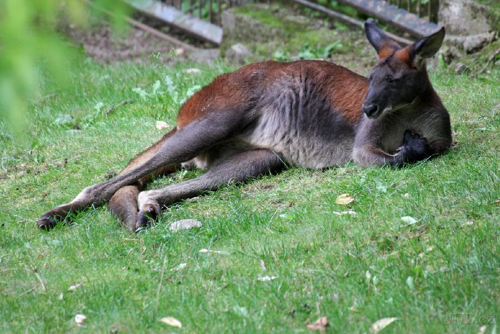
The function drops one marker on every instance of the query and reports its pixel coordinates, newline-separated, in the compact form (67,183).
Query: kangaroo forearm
(373,156)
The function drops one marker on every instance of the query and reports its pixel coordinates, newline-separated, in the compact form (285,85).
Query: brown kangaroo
(264,116)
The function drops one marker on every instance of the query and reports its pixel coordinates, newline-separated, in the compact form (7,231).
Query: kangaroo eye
(389,78)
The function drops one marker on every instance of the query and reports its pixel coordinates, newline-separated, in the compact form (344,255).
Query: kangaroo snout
(371,110)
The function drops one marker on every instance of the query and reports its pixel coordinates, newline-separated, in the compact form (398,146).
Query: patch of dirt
(105,46)
(136,45)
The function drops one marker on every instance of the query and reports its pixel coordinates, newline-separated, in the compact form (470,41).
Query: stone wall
(470,25)
(465,17)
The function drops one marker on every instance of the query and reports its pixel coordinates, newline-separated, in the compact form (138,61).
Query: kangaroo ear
(427,46)
(383,44)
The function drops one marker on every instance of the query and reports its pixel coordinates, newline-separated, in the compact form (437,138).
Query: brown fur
(403,57)
(387,49)
(209,99)
(123,204)
(267,115)
(347,93)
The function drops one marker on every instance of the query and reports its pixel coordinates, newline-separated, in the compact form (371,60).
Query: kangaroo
(266,116)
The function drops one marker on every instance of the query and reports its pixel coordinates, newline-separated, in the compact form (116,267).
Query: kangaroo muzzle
(371,110)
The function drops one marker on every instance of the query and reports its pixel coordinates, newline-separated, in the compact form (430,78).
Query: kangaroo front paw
(415,147)
(46,222)
(50,218)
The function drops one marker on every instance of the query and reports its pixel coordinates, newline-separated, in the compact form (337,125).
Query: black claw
(46,223)
(407,137)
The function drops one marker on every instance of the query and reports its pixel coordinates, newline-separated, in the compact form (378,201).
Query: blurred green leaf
(31,47)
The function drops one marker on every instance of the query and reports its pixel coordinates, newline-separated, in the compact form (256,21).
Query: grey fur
(292,122)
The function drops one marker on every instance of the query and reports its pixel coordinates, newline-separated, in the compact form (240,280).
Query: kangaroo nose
(370,109)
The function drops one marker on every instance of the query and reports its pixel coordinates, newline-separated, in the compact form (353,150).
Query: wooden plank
(188,48)
(347,19)
(394,16)
(344,18)
(174,17)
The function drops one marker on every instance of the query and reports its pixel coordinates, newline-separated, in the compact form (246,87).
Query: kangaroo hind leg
(124,201)
(235,168)
(185,144)
(123,204)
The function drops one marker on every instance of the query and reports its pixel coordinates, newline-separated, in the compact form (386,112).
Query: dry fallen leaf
(409,220)
(381,324)
(482,329)
(161,125)
(80,319)
(74,287)
(267,278)
(348,212)
(319,325)
(204,250)
(344,199)
(171,321)
(497,202)
(184,224)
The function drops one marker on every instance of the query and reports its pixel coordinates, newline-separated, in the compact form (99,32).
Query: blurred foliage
(30,45)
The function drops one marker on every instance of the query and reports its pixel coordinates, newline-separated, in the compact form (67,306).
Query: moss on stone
(267,15)
(490,3)
(282,29)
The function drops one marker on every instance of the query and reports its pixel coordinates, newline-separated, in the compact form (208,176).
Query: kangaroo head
(400,75)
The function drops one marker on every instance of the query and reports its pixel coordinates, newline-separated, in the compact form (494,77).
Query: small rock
(238,53)
(184,224)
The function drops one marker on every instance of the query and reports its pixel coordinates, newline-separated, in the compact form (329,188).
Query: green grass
(437,275)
